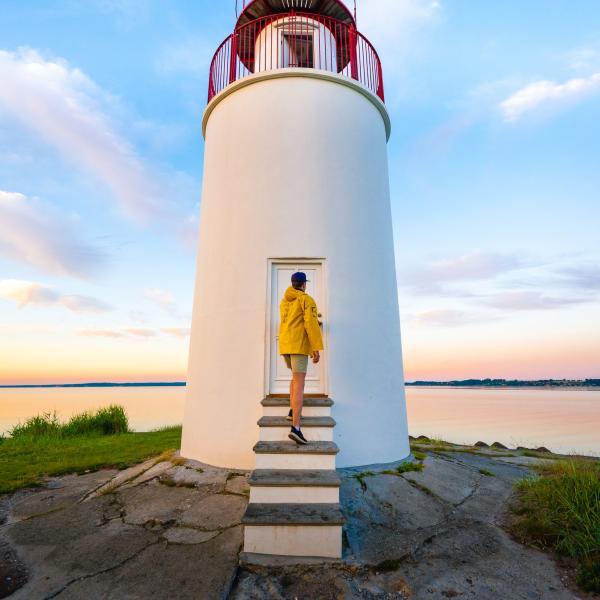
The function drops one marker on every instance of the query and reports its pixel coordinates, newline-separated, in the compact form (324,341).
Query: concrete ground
(172,531)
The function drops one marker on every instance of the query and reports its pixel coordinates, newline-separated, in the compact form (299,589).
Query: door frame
(323,307)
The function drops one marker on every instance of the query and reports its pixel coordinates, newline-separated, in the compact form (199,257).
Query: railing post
(233,58)
(353,55)
(380,91)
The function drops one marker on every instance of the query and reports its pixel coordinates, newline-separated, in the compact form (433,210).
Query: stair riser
(294,540)
(296,461)
(294,495)
(280,434)
(307,411)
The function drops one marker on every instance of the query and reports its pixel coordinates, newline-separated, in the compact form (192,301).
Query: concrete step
(316,429)
(271,486)
(313,406)
(321,401)
(293,530)
(249,559)
(285,455)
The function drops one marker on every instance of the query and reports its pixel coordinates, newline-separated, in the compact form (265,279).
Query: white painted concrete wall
(295,167)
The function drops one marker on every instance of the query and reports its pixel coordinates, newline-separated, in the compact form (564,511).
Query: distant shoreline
(499,384)
(94,385)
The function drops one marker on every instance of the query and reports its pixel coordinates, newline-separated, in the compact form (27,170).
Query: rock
(451,482)
(411,438)
(156,471)
(156,503)
(238,485)
(209,477)
(123,477)
(215,512)
(186,535)
(499,446)
(543,449)
(168,571)
(422,438)
(481,445)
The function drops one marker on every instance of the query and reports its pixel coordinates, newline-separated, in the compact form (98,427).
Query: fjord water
(564,420)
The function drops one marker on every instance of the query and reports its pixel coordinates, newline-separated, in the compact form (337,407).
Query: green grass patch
(406,467)
(360,477)
(105,421)
(43,447)
(420,455)
(486,472)
(560,510)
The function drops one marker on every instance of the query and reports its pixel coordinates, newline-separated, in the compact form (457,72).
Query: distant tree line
(510,383)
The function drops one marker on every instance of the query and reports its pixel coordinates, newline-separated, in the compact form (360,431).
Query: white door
(279,374)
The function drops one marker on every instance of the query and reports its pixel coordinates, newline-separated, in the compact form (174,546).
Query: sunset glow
(493,167)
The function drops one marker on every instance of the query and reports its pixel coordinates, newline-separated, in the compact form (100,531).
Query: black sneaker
(289,417)
(296,435)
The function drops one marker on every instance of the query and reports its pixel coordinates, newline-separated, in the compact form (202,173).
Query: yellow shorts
(298,363)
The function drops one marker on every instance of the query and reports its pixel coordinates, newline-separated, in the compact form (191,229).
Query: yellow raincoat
(299,332)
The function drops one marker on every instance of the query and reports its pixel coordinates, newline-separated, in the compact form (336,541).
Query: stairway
(294,491)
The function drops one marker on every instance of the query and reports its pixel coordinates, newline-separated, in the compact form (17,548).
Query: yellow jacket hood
(299,331)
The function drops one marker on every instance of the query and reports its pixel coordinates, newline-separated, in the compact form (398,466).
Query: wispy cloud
(164,300)
(105,333)
(143,333)
(180,332)
(449,318)
(585,276)
(549,95)
(30,293)
(64,107)
(33,233)
(135,332)
(528,300)
(468,267)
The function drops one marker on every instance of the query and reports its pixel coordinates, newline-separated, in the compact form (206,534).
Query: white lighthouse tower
(295,178)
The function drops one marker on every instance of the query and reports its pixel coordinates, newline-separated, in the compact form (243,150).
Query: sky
(495,184)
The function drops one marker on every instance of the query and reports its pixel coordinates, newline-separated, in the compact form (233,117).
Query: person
(299,338)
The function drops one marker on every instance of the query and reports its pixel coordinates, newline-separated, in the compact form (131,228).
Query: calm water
(563,420)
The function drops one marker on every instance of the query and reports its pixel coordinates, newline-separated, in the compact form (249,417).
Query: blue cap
(299,278)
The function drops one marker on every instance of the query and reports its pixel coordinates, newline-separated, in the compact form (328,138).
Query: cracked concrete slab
(173,531)
(452,482)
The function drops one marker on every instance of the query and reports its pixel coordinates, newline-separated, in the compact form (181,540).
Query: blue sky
(494,162)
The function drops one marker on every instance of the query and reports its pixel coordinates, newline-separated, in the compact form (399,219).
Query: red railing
(296,40)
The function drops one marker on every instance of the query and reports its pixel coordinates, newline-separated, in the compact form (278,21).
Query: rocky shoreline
(170,528)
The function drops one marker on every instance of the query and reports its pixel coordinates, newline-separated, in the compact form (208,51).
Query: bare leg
(297,397)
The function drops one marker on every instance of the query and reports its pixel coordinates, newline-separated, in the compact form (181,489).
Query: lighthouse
(295,179)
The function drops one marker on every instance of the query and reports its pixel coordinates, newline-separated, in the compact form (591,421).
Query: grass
(44,447)
(486,472)
(105,421)
(560,510)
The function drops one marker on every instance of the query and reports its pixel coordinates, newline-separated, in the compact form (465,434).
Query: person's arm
(311,324)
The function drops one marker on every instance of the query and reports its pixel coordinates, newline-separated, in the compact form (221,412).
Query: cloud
(33,233)
(528,300)
(64,107)
(107,333)
(448,317)
(586,276)
(25,293)
(144,333)
(548,94)
(468,267)
(180,332)
(164,299)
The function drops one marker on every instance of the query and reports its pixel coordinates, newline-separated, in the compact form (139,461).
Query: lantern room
(303,34)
